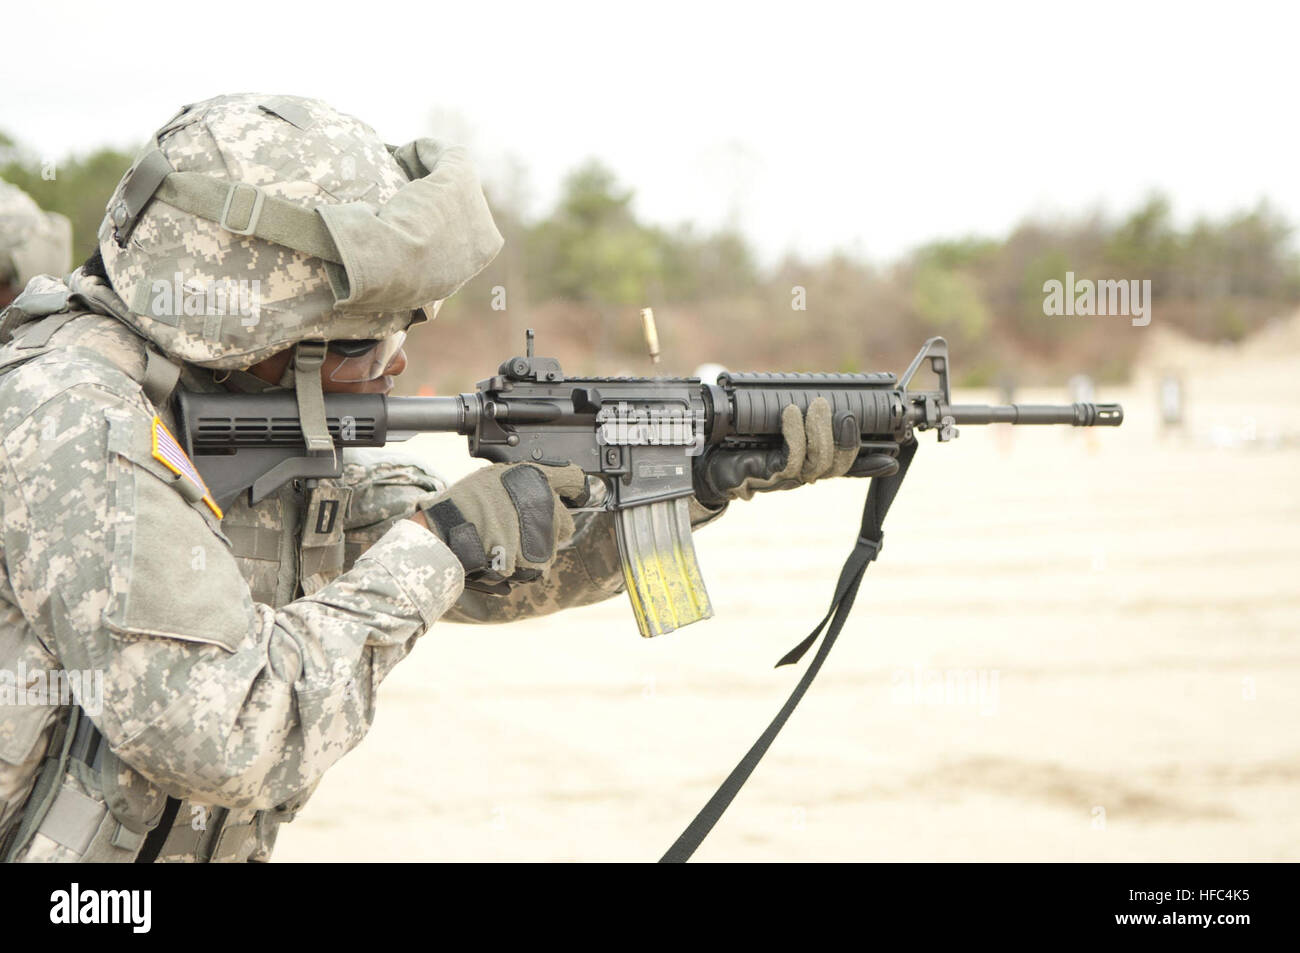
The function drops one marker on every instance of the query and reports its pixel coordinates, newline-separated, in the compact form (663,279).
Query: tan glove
(506,521)
(809,455)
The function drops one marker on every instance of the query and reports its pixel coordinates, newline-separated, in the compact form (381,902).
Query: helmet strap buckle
(307,359)
(254,212)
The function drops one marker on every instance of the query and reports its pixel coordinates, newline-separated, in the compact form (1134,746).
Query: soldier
(220,662)
(32,242)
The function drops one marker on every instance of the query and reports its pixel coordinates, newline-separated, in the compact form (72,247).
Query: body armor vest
(85,803)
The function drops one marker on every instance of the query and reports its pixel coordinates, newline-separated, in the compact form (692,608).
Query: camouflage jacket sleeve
(388,486)
(206,693)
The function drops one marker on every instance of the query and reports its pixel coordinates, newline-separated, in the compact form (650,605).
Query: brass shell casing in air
(651,333)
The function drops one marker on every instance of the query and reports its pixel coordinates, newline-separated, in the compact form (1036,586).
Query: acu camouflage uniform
(241,655)
(32,241)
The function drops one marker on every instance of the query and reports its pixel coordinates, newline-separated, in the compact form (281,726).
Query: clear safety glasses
(365,360)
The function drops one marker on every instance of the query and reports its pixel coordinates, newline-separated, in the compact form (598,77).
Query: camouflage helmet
(252,223)
(32,242)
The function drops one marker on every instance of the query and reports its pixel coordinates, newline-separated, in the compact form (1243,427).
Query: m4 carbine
(639,436)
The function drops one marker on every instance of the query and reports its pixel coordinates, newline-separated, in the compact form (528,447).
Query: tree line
(580,272)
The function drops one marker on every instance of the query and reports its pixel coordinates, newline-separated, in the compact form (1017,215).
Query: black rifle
(639,436)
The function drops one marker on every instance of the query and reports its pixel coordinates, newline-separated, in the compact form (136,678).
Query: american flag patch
(169,453)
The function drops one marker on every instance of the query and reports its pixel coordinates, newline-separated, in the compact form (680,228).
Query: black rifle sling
(879,497)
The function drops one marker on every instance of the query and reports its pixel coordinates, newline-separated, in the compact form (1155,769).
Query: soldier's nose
(397,364)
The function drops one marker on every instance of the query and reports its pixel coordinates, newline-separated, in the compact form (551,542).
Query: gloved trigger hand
(506,521)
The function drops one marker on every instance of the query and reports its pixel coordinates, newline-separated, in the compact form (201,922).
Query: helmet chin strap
(245,382)
(307,359)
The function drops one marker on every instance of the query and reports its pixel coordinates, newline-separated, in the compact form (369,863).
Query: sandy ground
(1075,646)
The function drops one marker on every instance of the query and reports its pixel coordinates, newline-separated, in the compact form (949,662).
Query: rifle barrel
(1078,415)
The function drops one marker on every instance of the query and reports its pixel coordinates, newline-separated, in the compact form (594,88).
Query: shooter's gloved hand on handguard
(810,453)
(506,521)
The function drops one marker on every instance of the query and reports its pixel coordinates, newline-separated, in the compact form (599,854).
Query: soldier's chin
(380,385)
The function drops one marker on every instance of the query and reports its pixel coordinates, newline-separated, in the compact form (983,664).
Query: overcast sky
(812,126)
